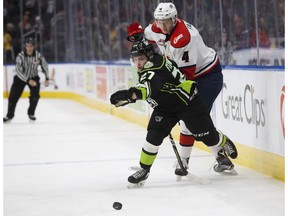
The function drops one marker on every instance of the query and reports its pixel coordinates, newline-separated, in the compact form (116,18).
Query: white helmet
(166,10)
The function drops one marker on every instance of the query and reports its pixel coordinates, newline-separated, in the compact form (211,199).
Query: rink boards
(249,109)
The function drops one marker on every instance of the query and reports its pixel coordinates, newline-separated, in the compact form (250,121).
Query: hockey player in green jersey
(173,98)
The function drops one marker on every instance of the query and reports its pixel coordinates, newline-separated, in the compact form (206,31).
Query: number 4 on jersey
(185,56)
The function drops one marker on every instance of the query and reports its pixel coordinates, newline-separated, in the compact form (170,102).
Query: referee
(27,63)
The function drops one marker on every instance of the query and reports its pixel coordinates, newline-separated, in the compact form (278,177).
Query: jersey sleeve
(19,68)
(148,34)
(142,91)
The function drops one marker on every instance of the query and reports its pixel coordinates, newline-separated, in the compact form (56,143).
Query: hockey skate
(230,149)
(138,178)
(7,119)
(224,166)
(178,171)
(32,118)
(184,173)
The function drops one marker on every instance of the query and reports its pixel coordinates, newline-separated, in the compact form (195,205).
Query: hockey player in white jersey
(181,42)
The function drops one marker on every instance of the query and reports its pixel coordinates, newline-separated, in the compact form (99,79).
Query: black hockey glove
(122,98)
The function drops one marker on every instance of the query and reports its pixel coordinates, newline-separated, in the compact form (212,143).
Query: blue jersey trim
(254,67)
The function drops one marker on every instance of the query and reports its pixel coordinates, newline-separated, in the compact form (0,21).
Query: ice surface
(73,161)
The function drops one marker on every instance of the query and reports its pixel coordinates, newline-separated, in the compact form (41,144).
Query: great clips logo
(282,110)
(244,107)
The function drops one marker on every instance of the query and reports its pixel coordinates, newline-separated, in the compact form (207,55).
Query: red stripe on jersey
(189,72)
(186,140)
(152,42)
(208,68)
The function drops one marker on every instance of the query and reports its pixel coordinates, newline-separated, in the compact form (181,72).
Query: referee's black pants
(16,91)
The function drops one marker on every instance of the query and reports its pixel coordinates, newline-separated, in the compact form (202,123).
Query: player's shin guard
(148,155)
(186,142)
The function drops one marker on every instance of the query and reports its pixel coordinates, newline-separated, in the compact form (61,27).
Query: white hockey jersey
(185,46)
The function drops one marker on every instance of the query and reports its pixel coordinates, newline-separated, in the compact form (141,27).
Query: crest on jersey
(176,39)
(148,64)
(158,118)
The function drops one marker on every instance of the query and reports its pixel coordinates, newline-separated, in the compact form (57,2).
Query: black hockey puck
(117,205)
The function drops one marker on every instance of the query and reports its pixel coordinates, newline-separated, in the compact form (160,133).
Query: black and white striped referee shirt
(27,66)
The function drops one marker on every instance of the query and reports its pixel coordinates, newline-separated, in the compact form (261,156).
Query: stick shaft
(177,154)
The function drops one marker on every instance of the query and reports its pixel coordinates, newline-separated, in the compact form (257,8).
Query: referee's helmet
(30,41)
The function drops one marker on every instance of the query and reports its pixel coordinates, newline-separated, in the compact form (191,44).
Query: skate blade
(137,185)
(193,178)
(231,172)
(198,180)
(134,168)
(178,178)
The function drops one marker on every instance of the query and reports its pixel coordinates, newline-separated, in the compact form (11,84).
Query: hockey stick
(185,173)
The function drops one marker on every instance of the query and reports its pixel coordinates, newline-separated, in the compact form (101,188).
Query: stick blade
(199,180)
